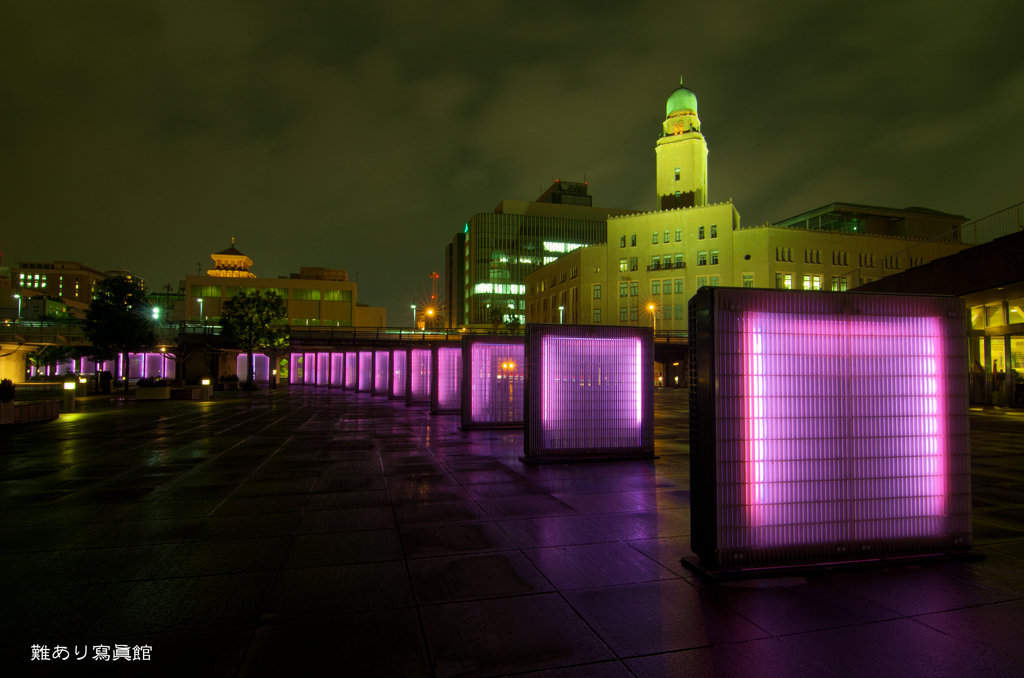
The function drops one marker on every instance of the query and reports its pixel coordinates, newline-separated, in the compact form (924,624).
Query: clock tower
(682,154)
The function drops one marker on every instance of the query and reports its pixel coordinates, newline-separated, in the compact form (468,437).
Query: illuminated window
(633,242)
(634,288)
(714,231)
(655,287)
(702,258)
(623,314)
(784,281)
(654,238)
(665,239)
(702,282)
(700,233)
(748,280)
(714,257)
(838,284)
(679,234)
(680,285)
(623,264)
(679,261)
(994,315)
(677,174)
(655,262)
(714,281)
(632,264)
(623,289)
(633,314)
(597,315)
(597,291)
(622,241)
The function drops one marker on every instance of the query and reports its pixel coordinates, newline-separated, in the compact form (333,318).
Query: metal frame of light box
(826,428)
(590,415)
(469,369)
(435,379)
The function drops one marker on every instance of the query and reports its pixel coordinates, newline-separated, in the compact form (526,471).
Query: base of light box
(583,460)
(693,564)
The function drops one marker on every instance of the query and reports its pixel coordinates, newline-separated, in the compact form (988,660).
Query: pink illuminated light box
(494,382)
(590,392)
(381,371)
(446,375)
(351,370)
(827,426)
(396,386)
(417,379)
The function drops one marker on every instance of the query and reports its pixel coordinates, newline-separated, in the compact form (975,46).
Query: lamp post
(429,319)
(413,307)
(200,300)
(561,316)
(654,318)
(18,297)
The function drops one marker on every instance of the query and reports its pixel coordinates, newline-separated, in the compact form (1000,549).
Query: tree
(513,323)
(249,319)
(116,321)
(496,317)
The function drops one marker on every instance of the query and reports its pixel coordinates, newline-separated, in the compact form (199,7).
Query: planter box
(185,393)
(229,385)
(153,393)
(12,413)
(218,387)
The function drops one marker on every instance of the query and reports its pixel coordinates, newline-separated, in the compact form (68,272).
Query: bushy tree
(513,323)
(250,319)
(117,322)
(496,316)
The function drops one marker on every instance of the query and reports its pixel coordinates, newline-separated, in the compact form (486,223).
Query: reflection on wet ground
(313,531)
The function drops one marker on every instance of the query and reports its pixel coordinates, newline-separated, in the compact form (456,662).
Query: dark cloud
(362,135)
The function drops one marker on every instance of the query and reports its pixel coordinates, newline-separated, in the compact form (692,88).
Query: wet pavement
(305,531)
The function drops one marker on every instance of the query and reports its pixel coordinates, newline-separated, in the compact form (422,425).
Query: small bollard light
(69,396)
(206,382)
(206,389)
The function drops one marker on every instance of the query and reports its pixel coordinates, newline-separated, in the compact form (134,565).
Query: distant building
(68,280)
(653,262)
(486,265)
(315,297)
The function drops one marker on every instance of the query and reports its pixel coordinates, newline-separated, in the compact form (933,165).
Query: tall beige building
(654,262)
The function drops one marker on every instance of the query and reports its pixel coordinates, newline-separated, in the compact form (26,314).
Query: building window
(702,282)
(634,289)
(655,262)
(702,258)
(838,284)
(679,234)
(677,174)
(714,230)
(654,238)
(656,287)
(700,233)
(678,195)
(623,265)
(632,264)
(680,283)
(597,315)
(714,281)
(597,291)
(714,257)
(622,241)
(783,281)
(748,280)
(623,314)
(633,240)
(679,261)
(633,314)
(665,238)
(623,289)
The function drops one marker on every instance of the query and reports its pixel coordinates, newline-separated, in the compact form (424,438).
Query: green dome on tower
(681,100)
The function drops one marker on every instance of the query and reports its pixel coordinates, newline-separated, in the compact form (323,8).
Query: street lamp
(200,300)
(654,317)
(18,297)
(561,315)
(156,313)
(413,307)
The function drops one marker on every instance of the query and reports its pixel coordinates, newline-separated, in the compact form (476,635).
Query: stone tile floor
(312,532)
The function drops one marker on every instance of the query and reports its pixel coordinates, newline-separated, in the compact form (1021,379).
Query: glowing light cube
(827,425)
(351,370)
(399,358)
(417,389)
(365,380)
(494,382)
(380,372)
(338,369)
(590,392)
(446,373)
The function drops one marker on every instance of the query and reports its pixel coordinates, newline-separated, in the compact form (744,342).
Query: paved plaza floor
(305,531)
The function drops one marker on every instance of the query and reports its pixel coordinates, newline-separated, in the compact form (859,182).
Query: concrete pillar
(1008,385)
(988,369)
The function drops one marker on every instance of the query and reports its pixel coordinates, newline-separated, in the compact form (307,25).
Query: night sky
(144,135)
